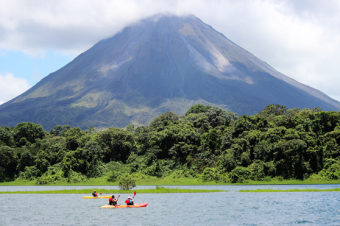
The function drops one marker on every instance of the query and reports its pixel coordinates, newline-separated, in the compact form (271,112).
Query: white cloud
(301,38)
(11,87)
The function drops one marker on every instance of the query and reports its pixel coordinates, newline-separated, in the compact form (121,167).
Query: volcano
(163,63)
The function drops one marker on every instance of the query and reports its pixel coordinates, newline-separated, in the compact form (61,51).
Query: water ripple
(228,208)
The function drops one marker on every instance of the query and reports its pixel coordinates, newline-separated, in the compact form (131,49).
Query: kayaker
(129,201)
(113,201)
(94,194)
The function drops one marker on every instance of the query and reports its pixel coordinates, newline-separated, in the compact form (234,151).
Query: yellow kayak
(98,197)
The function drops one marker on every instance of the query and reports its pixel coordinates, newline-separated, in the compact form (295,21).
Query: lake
(227,208)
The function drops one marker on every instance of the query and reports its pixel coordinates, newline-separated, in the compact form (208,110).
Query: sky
(299,38)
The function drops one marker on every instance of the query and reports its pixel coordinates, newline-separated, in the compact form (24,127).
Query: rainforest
(206,145)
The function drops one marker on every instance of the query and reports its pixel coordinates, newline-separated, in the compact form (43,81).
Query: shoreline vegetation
(160,190)
(102,181)
(206,146)
(114,191)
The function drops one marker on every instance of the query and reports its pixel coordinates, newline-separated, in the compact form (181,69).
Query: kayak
(125,206)
(98,197)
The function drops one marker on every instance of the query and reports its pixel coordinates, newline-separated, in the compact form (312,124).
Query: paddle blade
(126,201)
(101,193)
(118,196)
(134,193)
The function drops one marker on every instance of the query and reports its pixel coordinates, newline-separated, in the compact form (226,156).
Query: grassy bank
(293,190)
(102,181)
(112,191)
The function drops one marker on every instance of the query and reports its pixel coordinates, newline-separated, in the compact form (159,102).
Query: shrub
(209,174)
(279,178)
(126,182)
(112,176)
(30,173)
(55,175)
(331,169)
(239,175)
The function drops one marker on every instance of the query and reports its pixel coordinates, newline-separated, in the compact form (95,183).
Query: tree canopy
(207,143)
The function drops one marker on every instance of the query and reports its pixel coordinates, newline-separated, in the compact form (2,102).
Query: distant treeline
(207,143)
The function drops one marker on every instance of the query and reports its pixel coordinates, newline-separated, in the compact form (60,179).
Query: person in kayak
(113,201)
(94,194)
(129,201)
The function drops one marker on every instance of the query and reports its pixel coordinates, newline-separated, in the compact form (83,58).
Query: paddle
(134,194)
(117,200)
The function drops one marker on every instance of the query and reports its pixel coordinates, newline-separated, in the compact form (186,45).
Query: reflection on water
(319,208)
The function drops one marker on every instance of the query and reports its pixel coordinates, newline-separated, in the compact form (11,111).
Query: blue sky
(300,39)
(32,68)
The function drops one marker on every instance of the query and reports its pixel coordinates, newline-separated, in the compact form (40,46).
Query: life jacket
(129,202)
(111,202)
(94,194)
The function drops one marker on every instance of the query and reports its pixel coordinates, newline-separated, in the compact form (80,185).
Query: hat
(129,197)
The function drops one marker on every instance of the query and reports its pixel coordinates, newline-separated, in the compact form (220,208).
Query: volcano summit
(163,63)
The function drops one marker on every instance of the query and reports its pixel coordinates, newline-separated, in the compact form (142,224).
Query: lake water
(227,208)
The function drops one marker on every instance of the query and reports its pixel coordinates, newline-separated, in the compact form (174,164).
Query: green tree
(29,131)
(272,109)
(219,117)
(73,138)
(117,144)
(6,136)
(8,163)
(163,120)
(198,108)
(91,129)
(130,128)
(26,159)
(41,161)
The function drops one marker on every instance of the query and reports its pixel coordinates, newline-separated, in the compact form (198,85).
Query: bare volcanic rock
(163,63)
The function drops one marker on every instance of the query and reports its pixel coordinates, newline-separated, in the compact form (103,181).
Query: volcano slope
(163,63)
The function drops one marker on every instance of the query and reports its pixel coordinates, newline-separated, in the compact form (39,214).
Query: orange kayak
(125,206)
